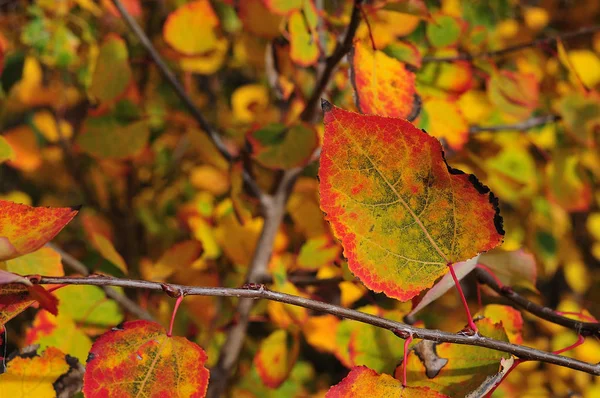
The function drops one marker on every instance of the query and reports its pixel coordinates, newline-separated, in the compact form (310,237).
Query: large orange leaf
(139,359)
(24,229)
(401,212)
(365,382)
(383,84)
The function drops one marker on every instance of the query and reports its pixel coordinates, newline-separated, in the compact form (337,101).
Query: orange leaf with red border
(401,212)
(24,229)
(384,86)
(138,358)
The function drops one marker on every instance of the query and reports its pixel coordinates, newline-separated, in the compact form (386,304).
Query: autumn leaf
(516,94)
(513,268)
(6,151)
(317,253)
(384,86)
(444,30)
(138,358)
(112,72)
(45,261)
(34,376)
(108,251)
(463,368)
(444,120)
(276,356)
(304,40)
(365,382)
(179,256)
(17,297)
(461,270)
(25,229)
(401,212)
(284,7)
(510,318)
(277,146)
(58,330)
(361,344)
(191,28)
(106,138)
(258,19)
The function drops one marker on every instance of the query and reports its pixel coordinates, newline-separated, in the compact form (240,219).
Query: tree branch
(341,49)
(518,47)
(260,292)
(522,126)
(582,328)
(127,304)
(273,209)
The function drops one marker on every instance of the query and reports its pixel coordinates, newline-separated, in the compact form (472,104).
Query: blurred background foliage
(86,117)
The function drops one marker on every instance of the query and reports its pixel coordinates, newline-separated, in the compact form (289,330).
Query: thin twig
(260,292)
(518,47)
(530,123)
(127,304)
(582,328)
(340,51)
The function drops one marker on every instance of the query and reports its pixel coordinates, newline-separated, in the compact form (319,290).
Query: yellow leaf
(209,62)
(248,101)
(447,122)
(47,124)
(209,178)
(108,251)
(536,18)
(6,151)
(587,65)
(577,276)
(191,28)
(34,376)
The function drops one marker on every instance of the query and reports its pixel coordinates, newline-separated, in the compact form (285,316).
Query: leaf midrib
(401,200)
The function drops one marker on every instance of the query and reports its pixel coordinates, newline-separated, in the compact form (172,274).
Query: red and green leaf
(401,212)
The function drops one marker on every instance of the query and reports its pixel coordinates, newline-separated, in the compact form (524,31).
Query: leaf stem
(177,304)
(406,344)
(472,325)
(261,292)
